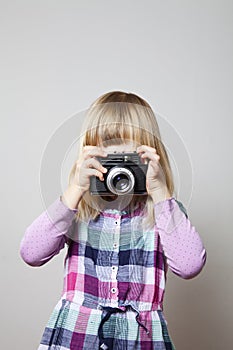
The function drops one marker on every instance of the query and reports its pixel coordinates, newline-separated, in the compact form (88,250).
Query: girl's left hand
(155,178)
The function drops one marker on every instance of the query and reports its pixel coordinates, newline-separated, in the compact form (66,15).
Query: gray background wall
(56,58)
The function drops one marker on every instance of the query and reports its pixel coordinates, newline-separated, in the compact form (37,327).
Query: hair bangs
(119,122)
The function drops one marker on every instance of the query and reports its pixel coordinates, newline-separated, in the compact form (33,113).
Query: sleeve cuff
(169,214)
(168,205)
(60,215)
(73,210)
(164,205)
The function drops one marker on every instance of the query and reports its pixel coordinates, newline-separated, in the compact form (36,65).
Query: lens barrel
(120,181)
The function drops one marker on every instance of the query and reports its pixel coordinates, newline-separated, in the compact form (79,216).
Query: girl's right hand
(87,166)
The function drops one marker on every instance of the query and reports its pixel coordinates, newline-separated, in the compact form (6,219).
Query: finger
(94,172)
(94,152)
(88,147)
(145,148)
(94,163)
(151,156)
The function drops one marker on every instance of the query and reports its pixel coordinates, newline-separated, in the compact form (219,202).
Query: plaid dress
(114,283)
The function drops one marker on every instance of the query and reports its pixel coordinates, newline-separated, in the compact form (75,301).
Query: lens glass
(121,182)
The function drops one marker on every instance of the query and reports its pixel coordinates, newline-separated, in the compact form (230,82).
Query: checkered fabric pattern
(112,263)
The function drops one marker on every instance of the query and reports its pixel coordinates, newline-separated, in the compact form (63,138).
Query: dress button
(113,290)
(114,245)
(113,268)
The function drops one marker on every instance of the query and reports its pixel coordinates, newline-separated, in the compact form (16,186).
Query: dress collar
(138,206)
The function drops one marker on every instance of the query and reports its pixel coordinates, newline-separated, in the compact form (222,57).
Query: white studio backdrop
(56,58)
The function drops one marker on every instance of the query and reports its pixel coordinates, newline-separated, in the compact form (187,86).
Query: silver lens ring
(115,171)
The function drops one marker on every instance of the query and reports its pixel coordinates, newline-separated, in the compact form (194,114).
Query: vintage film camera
(126,175)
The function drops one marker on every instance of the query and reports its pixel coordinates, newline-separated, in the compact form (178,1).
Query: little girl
(118,247)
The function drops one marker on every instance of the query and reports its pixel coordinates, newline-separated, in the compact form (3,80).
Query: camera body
(126,175)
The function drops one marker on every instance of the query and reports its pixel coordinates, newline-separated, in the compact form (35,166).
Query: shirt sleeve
(182,245)
(46,235)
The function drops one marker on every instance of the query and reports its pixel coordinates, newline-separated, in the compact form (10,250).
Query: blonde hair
(113,118)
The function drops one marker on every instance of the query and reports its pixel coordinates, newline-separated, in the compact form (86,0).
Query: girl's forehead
(126,146)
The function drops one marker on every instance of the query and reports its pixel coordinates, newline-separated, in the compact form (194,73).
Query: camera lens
(120,182)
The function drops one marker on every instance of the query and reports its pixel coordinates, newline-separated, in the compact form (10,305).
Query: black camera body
(126,175)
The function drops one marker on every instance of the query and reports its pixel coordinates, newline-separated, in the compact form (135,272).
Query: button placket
(114,273)
(114,268)
(117,222)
